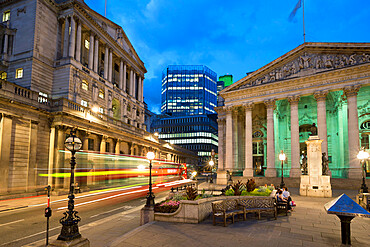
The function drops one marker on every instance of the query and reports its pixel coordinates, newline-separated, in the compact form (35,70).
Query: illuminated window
(19,73)
(84,103)
(101,110)
(6,16)
(85,85)
(3,75)
(101,93)
(87,44)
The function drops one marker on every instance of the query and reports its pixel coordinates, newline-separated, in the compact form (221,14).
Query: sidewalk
(307,225)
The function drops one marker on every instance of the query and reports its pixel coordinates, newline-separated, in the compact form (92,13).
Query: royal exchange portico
(273,108)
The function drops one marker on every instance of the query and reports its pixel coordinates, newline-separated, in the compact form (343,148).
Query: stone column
(229,158)
(248,170)
(295,170)
(355,170)
(131,82)
(142,89)
(221,148)
(32,164)
(321,119)
(66,37)
(59,156)
(124,77)
(121,74)
(6,38)
(134,87)
(51,155)
(6,123)
(106,62)
(78,42)
(270,171)
(96,55)
(118,147)
(139,91)
(91,51)
(72,38)
(103,144)
(110,66)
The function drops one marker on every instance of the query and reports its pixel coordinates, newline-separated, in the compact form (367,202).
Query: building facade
(64,66)
(273,109)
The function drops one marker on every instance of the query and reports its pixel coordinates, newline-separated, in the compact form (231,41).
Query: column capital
(248,106)
(221,120)
(294,99)
(270,103)
(351,90)
(320,95)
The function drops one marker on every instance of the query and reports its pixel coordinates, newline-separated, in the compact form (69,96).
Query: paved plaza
(307,225)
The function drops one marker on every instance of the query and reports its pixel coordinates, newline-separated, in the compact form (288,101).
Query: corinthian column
(110,65)
(91,51)
(270,171)
(229,158)
(121,74)
(221,148)
(72,38)
(124,78)
(353,132)
(321,119)
(106,58)
(78,42)
(96,55)
(248,170)
(66,37)
(295,170)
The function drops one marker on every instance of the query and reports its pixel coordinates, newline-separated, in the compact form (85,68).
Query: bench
(257,205)
(282,206)
(226,209)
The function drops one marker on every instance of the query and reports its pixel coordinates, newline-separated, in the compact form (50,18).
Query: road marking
(30,236)
(11,222)
(125,207)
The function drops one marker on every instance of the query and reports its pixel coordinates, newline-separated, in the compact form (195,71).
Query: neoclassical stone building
(273,108)
(64,66)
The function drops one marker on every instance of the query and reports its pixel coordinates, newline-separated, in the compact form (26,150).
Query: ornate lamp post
(282,158)
(70,220)
(211,163)
(150,197)
(362,156)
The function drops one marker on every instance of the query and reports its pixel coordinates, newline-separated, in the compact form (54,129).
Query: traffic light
(48,212)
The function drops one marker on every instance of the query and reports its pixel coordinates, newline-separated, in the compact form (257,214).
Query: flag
(297,6)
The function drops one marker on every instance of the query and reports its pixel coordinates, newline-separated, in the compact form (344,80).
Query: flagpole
(304,31)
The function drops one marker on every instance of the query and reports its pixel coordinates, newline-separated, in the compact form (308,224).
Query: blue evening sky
(229,36)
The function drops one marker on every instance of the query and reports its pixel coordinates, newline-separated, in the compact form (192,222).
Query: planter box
(194,211)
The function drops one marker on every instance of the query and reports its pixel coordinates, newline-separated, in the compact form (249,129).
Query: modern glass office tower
(188,90)
(189,95)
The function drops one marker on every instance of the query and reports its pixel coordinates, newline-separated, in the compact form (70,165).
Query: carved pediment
(304,64)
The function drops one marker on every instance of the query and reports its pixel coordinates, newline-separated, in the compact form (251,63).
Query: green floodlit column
(321,119)
(353,131)
(248,170)
(295,170)
(270,171)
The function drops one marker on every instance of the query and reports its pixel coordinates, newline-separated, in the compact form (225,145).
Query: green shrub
(179,197)
(229,192)
(251,185)
(262,189)
(191,193)
(237,188)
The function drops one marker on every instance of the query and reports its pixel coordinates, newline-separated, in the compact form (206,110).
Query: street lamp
(211,163)
(150,197)
(282,158)
(362,156)
(70,220)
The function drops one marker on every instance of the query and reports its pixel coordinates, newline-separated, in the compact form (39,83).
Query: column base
(221,177)
(355,173)
(146,215)
(270,173)
(295,173)
(248,172)
(78,242)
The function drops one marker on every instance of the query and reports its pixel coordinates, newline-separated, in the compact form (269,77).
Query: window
(3,75)
(87,44)
(90,144)
(101,110)
(101,93)
(6,15)
(19,73)
(85,85)
(84,103)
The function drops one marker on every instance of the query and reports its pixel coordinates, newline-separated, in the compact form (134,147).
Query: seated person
(280,198)
(286,195)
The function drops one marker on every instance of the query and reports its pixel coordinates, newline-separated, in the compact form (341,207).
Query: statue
(325,164)
(313,130)
(304,165)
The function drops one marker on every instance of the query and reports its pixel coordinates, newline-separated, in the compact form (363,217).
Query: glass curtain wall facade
(188,90)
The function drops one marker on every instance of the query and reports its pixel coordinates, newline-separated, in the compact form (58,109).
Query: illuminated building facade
(274,107)
(64,66)
(189,95)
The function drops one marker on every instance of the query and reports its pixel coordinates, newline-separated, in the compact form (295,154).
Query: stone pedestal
(248,172)
(221,177)
(146,215)
(78,242)
(315,184)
